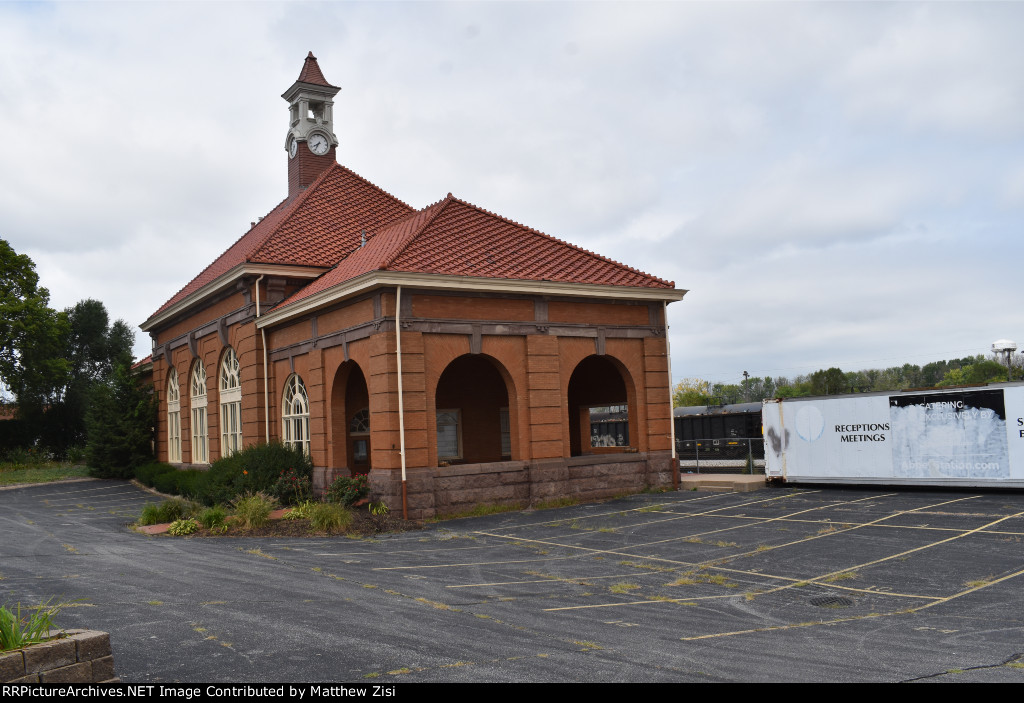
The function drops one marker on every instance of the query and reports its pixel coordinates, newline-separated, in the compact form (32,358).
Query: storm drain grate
(831,602)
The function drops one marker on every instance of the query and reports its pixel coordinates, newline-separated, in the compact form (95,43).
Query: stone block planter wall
(84,656)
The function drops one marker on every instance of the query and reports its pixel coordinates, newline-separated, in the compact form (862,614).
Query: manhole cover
(831,602)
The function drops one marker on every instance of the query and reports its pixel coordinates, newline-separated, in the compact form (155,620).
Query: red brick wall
(464,308)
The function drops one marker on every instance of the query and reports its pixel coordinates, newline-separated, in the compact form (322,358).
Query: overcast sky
(835,184)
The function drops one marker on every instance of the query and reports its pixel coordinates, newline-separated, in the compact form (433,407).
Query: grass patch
(257,552)
(980,582)
(556,503)
(645,565)
(624,587)
(691,577)
(844,576)
(12,474)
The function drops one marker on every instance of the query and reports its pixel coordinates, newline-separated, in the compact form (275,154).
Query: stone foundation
(445,490)
(84,656)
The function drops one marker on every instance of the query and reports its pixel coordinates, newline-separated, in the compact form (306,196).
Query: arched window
(200,441)
(295,414)
(173,417)
(230,404)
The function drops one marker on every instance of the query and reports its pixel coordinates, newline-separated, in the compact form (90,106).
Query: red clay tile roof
(311,73)
(318,228)
(453,237)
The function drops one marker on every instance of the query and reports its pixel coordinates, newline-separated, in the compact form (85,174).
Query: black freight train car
(718,421)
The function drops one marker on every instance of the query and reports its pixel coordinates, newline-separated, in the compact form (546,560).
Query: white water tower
(1006,348)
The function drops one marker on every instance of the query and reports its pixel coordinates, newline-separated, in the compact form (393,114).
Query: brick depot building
(446,350)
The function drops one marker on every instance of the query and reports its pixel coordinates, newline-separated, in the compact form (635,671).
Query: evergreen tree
(120,424)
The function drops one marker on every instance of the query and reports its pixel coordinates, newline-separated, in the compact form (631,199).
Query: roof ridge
(307,193)
(560,241)
(440,205)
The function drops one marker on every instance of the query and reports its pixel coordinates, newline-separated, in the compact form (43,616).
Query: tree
(691,391)
(982,371)
(828,382)
(31,337)
(120,424)
(93,348)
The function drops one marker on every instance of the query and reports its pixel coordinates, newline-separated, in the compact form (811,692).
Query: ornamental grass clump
(253,508)
(17,630)
(213,517)
(330,517)
(168,511)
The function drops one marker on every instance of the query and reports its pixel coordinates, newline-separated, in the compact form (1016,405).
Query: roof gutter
(224,281)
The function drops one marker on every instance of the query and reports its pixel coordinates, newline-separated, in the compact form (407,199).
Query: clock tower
(310,142)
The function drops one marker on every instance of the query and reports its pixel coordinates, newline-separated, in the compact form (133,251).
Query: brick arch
(599,380)
(349,395)
(478,387)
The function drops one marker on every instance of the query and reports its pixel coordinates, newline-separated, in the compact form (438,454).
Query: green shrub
(180,528)
(213,516)
(17,630)
(258,467)
(347,490)
(330,517)
(253,508)
(147,473)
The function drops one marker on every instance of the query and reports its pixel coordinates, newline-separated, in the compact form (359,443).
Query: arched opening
(350,413)
(473,417)
(601,412)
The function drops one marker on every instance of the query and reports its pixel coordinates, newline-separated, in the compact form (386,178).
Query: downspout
(671,404)
(401,404)
(266,390)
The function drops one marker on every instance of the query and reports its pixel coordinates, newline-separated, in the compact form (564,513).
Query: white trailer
(969,436)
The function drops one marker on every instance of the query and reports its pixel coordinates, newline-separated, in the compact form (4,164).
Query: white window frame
(197,402)
(295,414)
(173,417)
(455,420)
(230,404)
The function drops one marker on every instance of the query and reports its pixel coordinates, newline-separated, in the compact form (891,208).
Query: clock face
(318,144)
(293,149)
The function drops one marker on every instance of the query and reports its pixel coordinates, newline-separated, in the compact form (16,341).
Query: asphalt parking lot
(784,584)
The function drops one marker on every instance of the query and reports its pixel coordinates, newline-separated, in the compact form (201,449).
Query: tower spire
(310,141)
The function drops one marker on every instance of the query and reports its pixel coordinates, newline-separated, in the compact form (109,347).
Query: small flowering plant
(291,487)
(347,490)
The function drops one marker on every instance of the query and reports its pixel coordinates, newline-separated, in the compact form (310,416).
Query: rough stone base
(84,656)
(447,490)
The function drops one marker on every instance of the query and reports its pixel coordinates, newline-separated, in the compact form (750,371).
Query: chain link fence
(734,455)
